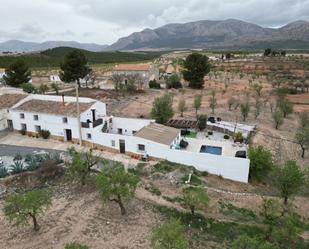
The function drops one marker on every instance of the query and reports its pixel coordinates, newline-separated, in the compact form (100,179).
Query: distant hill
(21,46)
(53,57)
(230,34)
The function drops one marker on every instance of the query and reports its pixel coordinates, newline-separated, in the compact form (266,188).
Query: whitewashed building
(123,135)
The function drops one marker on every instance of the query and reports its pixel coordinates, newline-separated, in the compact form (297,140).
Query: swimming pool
(211,150)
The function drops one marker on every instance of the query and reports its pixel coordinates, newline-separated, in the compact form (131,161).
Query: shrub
(153,189)
(44,134)
(202,121)
(154,84)
(75,245)
(23,132)
(261,162)
(29,88)
(173,82)
(238,137)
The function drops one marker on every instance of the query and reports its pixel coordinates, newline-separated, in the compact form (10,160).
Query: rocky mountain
(21,46)
(229,33)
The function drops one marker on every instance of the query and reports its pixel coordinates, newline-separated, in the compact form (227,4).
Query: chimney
(93,115)
(63,99)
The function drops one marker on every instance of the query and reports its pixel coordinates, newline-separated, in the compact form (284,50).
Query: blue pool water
(211,150)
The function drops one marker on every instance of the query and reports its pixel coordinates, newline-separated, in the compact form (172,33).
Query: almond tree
(195,197)
(115,184)
(22,207)
(302,138)
(182,107)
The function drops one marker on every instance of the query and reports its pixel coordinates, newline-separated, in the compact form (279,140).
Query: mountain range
(229,34)
(225,34)
(22,46)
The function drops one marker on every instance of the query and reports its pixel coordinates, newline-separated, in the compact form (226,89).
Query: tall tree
(74,67)
(169,235)
(115,184)
(196,66)
(162,109)
(261,162)
(182,107)
(195,198)
(288,179)
(197,104)
(17,74)
(213,101)
(22,207)
(302,138)
(278,118)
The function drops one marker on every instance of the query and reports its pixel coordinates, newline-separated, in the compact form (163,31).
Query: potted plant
(238,137)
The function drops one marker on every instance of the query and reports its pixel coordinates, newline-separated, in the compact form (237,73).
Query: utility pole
(78,115)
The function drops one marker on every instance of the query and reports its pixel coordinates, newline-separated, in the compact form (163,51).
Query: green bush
(17,157)
(44,134)
(75,245)
(154,84)
(238,137)
(240,213)
(173,82)
(29,88)
(153,189)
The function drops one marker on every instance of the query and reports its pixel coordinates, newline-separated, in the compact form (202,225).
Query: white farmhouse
(123,135)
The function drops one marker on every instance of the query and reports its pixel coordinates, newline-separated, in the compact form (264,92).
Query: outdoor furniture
(241,154)
(183,144)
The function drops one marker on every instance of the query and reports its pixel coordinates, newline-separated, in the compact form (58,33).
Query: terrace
(214,142)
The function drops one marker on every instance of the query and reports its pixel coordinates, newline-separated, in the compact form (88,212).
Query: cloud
(106,21)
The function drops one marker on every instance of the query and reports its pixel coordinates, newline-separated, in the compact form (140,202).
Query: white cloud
(104,21)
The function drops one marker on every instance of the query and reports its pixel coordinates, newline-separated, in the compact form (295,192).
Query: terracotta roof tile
(9,100)
(158,133)
(132,67)
(67,109)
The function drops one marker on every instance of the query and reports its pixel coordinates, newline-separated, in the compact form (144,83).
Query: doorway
(10,125)
(122,146)
(68,134)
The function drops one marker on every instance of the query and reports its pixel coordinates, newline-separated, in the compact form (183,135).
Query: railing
(97,122)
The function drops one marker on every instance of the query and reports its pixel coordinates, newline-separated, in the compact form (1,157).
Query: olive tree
(22,207)
(182,107)
(169,235)
(278,118)
(245,109)
(302,138)
(289,179)
(115,184)
(195,198)
(197,104)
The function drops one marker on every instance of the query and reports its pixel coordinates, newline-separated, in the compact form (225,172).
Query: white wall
(3,119)
(128,125)
(233,168)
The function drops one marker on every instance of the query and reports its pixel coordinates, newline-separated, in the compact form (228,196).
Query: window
(23,127)
(119,131)
(36,117)
(133,132)
(22,115)
(141,147)
(64,120)
(37,128)
(113,143)
(88,136)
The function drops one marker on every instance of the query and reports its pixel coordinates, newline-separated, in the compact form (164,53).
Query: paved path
(16,139)
(12,150)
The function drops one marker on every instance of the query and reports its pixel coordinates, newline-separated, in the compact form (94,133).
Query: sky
(105,21)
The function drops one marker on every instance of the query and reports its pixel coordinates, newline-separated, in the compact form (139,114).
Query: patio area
(229,148)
